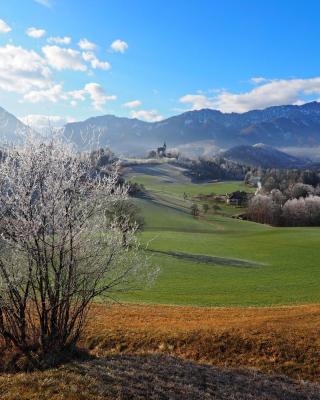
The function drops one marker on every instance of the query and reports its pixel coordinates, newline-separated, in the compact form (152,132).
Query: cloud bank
(266,93)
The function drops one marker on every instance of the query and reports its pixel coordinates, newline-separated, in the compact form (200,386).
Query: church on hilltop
(161,151)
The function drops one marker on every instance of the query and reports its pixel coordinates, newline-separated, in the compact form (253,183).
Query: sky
(67,60)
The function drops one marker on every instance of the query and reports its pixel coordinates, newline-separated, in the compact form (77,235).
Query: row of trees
(195,210)
(283,179)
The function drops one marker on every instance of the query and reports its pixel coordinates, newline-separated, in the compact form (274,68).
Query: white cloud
(35,33)
(28,73)
(197,101)
(79,95)
(60,58)
(4,27)
(119,46)
(46,3)
(132,104)
(147,115)
(22,70)
(89,56)
(98,95)
(276,92)
(59,40)
(42,122)
(52,94)
(92,91)
(258,79)
(85,44)
(272,93)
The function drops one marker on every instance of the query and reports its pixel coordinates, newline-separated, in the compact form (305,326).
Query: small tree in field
(126,215)
(194,210)
(59,249)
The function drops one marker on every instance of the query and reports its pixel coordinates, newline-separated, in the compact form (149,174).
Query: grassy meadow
(215,260)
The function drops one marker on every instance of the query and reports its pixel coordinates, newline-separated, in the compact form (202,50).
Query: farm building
(238,198)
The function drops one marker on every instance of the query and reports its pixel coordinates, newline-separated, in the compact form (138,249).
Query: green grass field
(284,262)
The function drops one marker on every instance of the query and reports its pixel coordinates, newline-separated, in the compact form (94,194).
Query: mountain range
(278,126)
(202,131)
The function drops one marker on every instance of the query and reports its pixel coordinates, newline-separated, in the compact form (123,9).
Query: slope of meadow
(279,265)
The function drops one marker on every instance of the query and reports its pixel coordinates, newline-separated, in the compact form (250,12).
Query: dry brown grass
(283,340)
(133,344)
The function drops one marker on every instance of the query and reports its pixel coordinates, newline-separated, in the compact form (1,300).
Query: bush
(59,249)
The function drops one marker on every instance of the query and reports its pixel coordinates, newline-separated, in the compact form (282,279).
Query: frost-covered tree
(278,197)
(302,211)
(59,248)
(300,190)
(264,209)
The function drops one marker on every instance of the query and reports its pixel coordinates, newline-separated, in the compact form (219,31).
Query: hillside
(279,126)
(260,155)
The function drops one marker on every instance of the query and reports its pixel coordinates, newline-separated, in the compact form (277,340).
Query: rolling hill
(260,155)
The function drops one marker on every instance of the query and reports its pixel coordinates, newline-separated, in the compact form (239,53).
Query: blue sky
(153,59)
